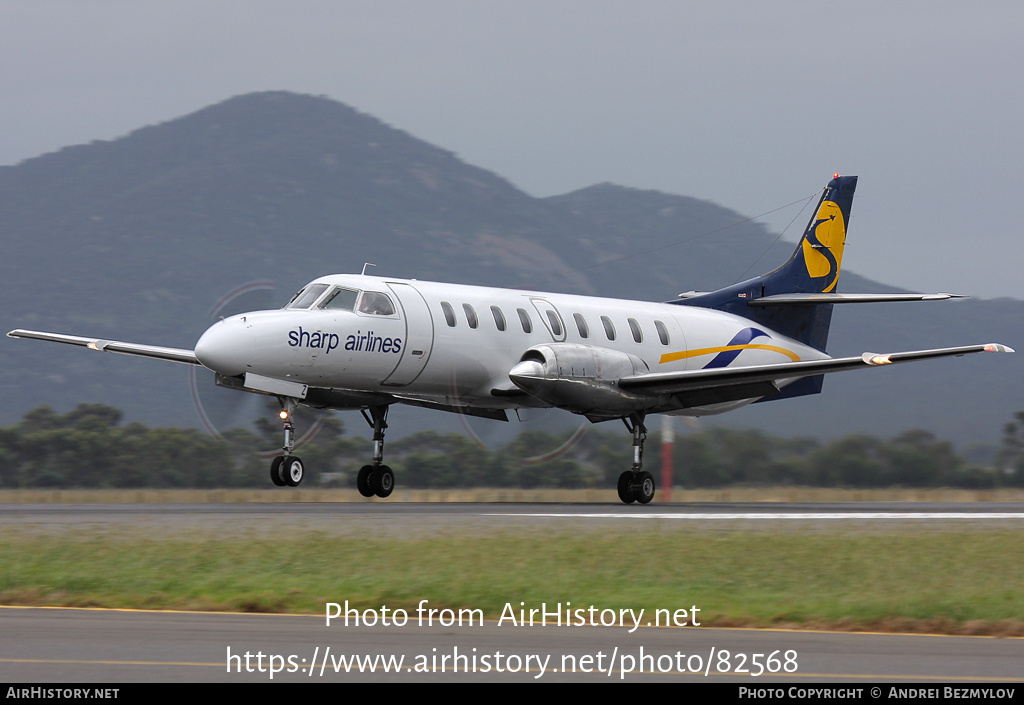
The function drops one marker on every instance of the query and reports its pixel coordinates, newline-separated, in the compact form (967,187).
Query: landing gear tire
(275,471)
(626,487)
(363,481)
(643,490)
(292,471)
(636,484)
(383,481)
(376,478)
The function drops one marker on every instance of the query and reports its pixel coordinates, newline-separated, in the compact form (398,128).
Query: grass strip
(937,581)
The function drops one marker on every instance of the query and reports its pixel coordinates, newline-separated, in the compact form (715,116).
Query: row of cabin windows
(556,324)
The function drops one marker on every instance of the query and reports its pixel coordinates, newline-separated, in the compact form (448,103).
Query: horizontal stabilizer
(160,353)
(788,299)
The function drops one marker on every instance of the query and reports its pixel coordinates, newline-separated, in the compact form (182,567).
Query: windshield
(306,297)
(341,299)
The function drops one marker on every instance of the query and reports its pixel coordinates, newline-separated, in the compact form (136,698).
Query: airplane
(364,343)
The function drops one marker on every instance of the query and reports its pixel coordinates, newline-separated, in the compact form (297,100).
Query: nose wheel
(287,469)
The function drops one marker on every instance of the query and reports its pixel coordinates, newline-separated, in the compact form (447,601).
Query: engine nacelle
(580,378)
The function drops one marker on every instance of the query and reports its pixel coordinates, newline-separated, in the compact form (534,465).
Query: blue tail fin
(813,269)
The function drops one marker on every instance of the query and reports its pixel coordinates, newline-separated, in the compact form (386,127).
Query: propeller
(220,409)
(565,431)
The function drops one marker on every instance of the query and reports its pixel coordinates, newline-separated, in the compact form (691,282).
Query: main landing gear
(636,484)
(287,469)
(376,478)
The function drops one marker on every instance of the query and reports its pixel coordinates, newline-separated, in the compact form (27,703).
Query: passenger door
(419,335)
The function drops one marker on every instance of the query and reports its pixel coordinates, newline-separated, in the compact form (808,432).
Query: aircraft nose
(222,348)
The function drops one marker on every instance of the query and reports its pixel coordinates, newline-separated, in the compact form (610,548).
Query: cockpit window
(306,297)
(344,299)
(376,304)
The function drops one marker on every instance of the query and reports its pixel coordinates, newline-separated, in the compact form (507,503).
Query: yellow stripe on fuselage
(672,357)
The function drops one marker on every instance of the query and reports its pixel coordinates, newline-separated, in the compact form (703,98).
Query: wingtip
(875,359)
(998,347)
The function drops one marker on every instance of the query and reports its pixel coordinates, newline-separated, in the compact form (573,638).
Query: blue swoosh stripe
(723,359)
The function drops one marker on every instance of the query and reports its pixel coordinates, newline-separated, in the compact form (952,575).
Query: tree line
(89,447)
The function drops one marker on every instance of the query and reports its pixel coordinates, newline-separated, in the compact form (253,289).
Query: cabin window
(471,318)
(634,327)
(662,332)
(449,314)
(581,325)
(375,303)
(524,318)
(344,299)
(609,327)
(306,297)
(556,324)
(499,317)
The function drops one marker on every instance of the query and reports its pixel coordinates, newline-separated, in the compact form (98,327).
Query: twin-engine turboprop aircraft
(362,342)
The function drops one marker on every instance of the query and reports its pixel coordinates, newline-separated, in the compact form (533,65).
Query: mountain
(149,236)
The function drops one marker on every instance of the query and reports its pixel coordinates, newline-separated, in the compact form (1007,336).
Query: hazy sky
(751,105)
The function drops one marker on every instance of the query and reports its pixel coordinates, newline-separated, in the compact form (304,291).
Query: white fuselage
(455,344)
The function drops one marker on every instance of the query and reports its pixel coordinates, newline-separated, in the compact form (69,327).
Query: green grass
(934,580)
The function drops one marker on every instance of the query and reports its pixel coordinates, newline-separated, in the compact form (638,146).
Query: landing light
(283,414)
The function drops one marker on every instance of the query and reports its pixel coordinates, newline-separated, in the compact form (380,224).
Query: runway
(424,517)
(49,645)
(109,646)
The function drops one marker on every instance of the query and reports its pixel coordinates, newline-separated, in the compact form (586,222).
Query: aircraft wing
(161,353)
(762,379)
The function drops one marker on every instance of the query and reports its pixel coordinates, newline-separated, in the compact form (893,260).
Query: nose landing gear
(287,469)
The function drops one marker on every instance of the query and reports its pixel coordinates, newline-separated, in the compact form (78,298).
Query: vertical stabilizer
(813,269)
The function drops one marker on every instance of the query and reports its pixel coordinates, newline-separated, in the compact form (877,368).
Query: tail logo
(823,246)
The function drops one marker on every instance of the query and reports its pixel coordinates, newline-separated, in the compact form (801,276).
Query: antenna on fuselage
(365,265)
